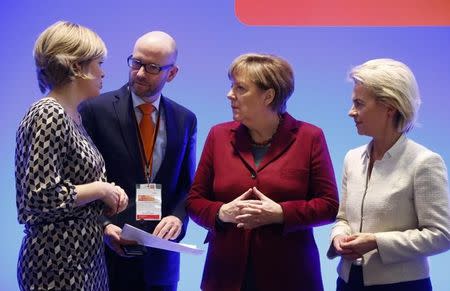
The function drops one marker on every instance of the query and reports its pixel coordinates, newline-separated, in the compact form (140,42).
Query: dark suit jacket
(297,173)
(110,121)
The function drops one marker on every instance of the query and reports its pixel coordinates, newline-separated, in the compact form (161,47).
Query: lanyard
(147,162)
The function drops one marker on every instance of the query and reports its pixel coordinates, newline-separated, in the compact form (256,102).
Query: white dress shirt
(405,204)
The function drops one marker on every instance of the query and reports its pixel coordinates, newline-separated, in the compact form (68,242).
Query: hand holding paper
(147,239)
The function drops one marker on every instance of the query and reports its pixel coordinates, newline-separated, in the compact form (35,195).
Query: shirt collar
(138,101)
(393,151)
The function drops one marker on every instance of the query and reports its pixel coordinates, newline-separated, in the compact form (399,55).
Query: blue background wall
(209,37)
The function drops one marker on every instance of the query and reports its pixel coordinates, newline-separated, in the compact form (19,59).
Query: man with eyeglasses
(142,155)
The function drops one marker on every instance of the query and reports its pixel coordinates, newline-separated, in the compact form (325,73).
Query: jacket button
(253,176)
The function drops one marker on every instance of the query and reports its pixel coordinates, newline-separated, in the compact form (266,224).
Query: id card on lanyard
(148,201)
(148,196)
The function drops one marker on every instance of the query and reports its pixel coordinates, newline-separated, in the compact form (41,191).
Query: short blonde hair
(59,48)
(393,84)
(267,72)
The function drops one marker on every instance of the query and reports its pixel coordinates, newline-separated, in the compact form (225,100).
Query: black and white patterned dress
(63,244)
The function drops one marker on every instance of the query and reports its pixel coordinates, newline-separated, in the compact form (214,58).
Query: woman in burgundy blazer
(264,180)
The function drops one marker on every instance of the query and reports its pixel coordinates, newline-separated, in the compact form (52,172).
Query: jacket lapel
(281,142)
(171,135)
(242,145)
(123,106)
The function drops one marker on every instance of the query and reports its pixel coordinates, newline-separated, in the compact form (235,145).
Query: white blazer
(405,204)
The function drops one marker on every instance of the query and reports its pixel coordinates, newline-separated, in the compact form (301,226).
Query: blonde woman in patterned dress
(60,175)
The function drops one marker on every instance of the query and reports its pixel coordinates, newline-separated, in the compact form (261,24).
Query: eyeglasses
(154,69)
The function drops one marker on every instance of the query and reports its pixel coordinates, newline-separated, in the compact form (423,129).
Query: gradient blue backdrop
(209,37)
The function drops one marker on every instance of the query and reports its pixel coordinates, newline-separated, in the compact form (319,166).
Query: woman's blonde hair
(393,84)
(61,50)
(267,72)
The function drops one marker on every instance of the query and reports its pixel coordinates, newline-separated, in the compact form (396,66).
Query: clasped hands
(352,247)
(251,213)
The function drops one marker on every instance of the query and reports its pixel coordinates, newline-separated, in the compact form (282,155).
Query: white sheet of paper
(147,239)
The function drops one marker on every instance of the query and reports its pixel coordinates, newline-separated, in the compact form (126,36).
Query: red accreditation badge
(148,201)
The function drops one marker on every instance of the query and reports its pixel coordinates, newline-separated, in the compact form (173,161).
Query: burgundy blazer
(297,173)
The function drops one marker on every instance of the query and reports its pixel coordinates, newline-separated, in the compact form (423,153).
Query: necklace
(268,141)
(76,118)
(262,144)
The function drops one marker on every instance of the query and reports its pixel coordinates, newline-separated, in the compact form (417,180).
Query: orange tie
(147,129)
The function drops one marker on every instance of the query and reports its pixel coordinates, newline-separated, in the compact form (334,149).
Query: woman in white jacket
(394,210)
